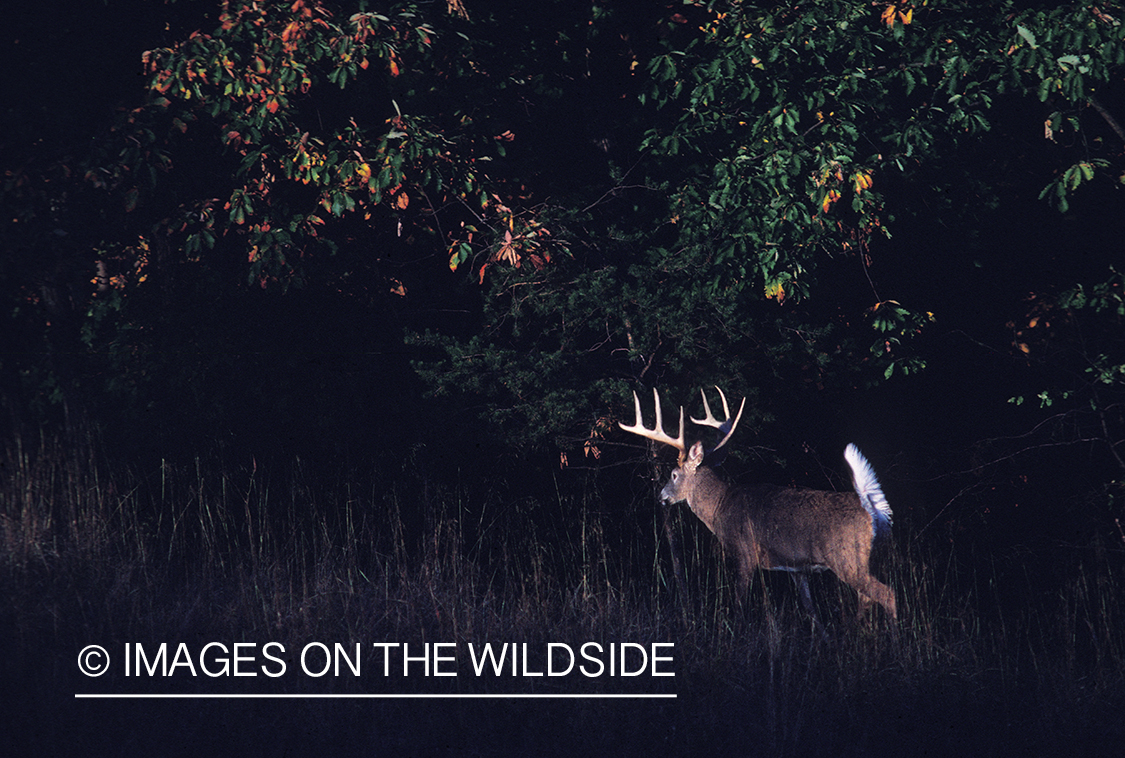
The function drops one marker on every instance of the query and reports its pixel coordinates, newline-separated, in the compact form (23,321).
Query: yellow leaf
(829,199)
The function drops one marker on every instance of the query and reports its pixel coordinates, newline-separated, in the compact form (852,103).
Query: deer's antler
(716,423)
(656,433)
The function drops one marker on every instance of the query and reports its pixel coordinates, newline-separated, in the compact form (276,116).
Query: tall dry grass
(208,550)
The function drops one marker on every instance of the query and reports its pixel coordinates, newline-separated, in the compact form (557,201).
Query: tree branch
(1109,119)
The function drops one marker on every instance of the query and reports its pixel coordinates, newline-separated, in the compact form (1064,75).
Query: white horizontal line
(367,696)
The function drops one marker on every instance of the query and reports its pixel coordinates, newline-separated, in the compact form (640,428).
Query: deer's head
(685,477)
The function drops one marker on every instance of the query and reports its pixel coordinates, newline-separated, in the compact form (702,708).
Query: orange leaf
(829,199)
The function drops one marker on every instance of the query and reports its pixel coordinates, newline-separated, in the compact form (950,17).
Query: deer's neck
(707,497)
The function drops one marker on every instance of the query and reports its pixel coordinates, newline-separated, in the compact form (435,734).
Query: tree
(250,161)
(783,143)
(557,206)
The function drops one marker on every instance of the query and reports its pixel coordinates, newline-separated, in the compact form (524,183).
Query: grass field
(1013,654)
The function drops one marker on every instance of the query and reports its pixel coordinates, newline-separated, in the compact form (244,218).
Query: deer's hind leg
(872,591)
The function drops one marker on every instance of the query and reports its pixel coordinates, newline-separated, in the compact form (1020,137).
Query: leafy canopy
(563,204)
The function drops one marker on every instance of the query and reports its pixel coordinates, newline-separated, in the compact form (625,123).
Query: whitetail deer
(779,528)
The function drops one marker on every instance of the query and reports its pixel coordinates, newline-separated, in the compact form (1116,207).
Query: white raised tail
(871,495)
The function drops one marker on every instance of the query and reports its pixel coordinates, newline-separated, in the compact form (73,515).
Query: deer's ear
(695,455)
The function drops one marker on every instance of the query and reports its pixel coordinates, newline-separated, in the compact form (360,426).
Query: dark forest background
(341,303)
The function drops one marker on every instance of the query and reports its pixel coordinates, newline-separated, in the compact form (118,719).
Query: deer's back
(795,527)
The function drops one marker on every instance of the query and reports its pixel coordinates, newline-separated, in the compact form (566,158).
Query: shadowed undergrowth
(979,662)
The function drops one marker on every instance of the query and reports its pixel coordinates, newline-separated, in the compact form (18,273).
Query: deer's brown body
(781,528)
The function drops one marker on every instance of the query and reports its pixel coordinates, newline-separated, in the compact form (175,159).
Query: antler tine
(656,433)
(733,426)
(711,421)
